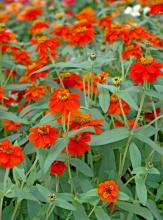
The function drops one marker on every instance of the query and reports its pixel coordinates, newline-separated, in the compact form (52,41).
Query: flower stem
(4,189)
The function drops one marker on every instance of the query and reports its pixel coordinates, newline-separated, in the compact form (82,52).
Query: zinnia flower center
(42,39)
(102,77)
(6,150)
(146,60)
(65,75)
(83,119)
(43,130)
(129,48)
(77,137)
(114,98)
(109,189)
(81,29)
(63,95)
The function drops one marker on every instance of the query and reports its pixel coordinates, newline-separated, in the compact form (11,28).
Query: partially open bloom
(84,120)
(10,125)
(78,144)
(69,79)
(57,167)
(130,122)
(43,136)
(114,107)
(63,102)
(10,155)
(151,115)
(147,69)
(132,49)
(108,191)
(35,92)
(38,27)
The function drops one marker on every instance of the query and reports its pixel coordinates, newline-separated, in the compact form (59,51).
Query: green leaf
(84,197)
(123,196)
(135,155)
(128,98)
(141,189)
(43,191)
(140,171)
(11,116)
(82,166)
(80,213)
(104,98)
(149,142)
(18,87)
(101,214)
(153,208)
(135,209)
(54,152)
(159,192)
(110,136)
(64,204)
(19,172)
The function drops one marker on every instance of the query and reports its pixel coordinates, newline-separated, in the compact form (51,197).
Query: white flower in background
(146,10)
(133,11)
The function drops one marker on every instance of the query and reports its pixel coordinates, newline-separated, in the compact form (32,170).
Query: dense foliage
(81,100)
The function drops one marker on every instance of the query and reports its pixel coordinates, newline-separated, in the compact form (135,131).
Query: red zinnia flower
(43,136)
(145,70)
(114,107)
(10,125)
(57,167)
(38,27)
(81,35)
(151,115)
(132,50)
(71,80)
(10,155)
(84,120)
(30,14)
(131,123)
(78,144)
(156,7)
(1,93)
(108,191)
(35,92)
(63,102)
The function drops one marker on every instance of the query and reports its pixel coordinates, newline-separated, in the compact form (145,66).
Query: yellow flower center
(43,130)
(65,75)
(63,95)
(83,119)
(42,39)
(81,29)
(114,98)
(146,60)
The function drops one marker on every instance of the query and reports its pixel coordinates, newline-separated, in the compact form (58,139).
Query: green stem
(4,189)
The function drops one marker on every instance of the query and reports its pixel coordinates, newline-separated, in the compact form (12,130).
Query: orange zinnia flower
(38,27)
(78,144)
(105,21)
(131,123)
(63,102)
(146,70)
(84,120)
(35,92)
(81,35)
(108,191)
(10,155)
(71,80)
(43,136)
(57,167)
(114,107)
(30,14)
(10,125)
(132,49)
(87,14)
